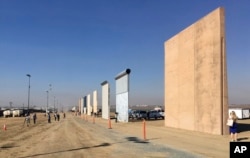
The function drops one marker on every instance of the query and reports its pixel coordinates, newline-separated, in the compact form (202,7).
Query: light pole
(29,93)
(47,101)
(50,90)
(54,103)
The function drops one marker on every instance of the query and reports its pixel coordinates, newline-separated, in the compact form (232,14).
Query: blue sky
(76,45)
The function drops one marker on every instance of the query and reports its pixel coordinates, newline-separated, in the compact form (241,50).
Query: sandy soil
(77,136)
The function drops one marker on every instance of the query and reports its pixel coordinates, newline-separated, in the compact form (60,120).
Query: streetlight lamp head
(28,75)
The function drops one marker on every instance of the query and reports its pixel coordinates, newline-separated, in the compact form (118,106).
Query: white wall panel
(122,84)
(95,101)
(105,101)
(122,89)
(122,107)
(81,105)
(89,108)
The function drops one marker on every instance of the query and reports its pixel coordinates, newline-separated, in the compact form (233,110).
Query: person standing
(233,129)
(49,117)
(27,119)
(58,117)
(34,118)
(55,116)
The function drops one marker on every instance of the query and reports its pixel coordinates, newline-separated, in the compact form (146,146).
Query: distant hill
(247,106)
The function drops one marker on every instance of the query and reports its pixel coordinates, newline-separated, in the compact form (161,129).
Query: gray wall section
(85,104)
(122,84)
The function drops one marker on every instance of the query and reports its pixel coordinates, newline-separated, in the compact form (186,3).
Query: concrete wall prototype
(196,96)
(81,105)
(89,107)
(122,96)
(105,100)
(85,104)
(95,102)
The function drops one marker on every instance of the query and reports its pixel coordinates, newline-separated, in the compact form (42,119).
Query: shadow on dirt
(244,138)
(96,146)
(8,146)
(243,127)
(141,120)
(136,140)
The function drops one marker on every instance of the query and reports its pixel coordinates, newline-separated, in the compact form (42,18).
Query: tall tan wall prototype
(196,95)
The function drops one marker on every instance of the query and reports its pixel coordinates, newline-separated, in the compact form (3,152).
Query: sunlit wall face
(122,106)
(81,105)
(89,107)
(105,101)
(95,101)
(196,96)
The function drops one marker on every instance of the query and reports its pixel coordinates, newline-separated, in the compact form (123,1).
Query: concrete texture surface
(196,96)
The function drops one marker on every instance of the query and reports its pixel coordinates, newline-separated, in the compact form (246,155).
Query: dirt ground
(84,137)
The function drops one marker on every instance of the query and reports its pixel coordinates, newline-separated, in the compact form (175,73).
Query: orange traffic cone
(4,127)
(109,124)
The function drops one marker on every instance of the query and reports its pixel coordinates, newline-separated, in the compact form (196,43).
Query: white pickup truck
(162,113)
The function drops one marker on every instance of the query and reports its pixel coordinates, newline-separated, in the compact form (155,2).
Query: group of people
(56,116)
(33,116)
(28,117)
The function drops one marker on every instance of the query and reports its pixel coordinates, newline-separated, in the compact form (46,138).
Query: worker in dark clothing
(49,119)
(58,116)
(34,118)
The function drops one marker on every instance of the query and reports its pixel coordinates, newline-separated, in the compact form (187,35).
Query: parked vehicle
(140,114)
(131,114)
(7,113)
(162,113)
(17,113)
(153,114)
